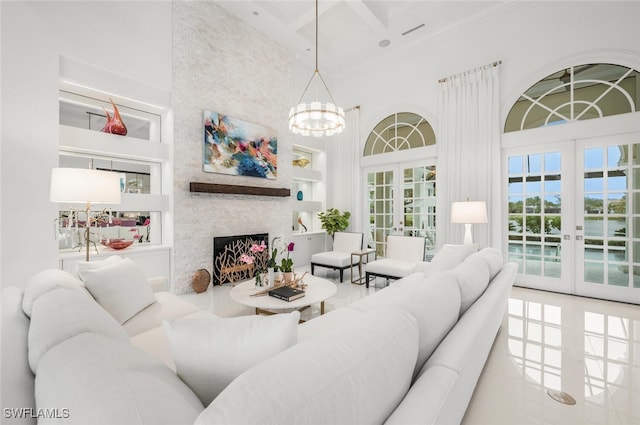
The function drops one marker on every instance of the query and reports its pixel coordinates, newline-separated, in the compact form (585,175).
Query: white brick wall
(221,64)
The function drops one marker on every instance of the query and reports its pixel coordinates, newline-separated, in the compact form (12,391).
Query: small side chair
(403,255)
(344,243)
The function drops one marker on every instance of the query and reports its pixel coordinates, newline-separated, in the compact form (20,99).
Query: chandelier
(316,118)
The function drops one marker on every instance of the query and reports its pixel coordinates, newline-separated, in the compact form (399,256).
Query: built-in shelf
(309,206)
(238,190)
(83,140)
(307,174)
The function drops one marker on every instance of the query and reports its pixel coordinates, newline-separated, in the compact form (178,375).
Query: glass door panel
(401,200)
(536,217)
(608,258)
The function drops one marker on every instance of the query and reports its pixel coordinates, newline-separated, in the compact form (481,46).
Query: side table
(361,254)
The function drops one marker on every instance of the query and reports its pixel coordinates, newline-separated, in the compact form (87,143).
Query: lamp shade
(469,212)
(80,185)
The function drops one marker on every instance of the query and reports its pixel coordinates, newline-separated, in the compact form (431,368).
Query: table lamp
(84,186)
(468,213)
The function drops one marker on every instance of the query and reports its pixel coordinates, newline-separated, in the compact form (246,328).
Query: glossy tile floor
(589,349)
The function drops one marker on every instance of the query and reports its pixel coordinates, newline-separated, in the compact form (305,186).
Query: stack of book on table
(286,293)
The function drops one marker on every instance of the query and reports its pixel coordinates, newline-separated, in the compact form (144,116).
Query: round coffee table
(317,291)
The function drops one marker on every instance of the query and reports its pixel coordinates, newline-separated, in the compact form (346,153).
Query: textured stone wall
(221,64)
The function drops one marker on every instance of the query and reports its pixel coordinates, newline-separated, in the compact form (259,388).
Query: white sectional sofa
(409,354)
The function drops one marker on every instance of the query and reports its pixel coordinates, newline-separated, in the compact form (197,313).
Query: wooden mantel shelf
(238,190)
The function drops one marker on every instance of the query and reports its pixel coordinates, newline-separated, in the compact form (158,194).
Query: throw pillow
(209,353)
(90,265)
(120,288)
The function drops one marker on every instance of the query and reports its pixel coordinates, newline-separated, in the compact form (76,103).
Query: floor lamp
(468,213)
(85,186)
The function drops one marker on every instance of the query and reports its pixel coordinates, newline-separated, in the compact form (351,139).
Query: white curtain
(343,169)
(468,146)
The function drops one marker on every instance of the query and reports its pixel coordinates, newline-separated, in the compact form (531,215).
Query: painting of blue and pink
(241,148)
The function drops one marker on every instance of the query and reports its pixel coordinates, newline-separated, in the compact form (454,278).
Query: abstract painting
(241,148)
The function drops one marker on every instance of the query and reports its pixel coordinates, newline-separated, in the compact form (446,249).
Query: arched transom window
(579,92)
(400,131)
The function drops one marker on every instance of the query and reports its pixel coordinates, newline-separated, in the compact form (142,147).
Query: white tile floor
(587,348)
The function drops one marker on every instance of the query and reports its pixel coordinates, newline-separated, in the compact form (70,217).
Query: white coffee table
(317,291)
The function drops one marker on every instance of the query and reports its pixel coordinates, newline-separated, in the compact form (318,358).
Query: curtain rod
(492,64)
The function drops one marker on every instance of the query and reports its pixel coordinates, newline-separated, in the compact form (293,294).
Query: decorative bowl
(117,243)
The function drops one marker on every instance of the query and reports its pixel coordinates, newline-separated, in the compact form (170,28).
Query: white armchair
(344,243)
(403,255)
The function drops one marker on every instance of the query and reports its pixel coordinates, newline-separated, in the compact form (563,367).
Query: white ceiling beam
(372,14)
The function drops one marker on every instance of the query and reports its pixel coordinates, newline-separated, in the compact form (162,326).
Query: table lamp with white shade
(84,186)
(468,213)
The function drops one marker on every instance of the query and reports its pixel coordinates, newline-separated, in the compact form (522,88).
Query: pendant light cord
(317,70)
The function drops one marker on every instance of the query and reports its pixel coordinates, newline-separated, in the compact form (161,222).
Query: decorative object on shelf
(114,124)
(333,220)
(316,118)
(85,186)
(300,162)
(299,195)
(117,243)
(302,224)
(200,280)
(468,213)
(236,147)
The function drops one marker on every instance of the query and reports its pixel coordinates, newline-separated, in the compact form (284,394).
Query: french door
(401,199)
(573,221)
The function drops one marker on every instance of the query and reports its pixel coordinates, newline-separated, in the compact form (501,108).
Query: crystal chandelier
(316,118)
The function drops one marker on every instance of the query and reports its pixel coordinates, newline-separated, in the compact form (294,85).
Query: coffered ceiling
(354,31)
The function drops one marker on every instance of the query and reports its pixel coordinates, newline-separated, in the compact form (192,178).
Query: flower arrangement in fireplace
(258,258)
(260,252)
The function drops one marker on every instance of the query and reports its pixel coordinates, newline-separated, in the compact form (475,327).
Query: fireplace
(227,266)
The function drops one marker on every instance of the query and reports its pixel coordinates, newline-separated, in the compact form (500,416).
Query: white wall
(533,39)
(128,38)
(223,65)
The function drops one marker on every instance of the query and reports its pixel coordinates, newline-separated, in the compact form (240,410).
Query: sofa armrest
(158,283)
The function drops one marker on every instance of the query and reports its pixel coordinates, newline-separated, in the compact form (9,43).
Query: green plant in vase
(333,220)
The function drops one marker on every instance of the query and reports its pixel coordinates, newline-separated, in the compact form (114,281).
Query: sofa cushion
(449,256)
(167,306)
(61,314)
(473,277)
(423,404)
(154,341)
(413,280)
(45,281)
(105,381)
(334,319)
(391,267)
(17,379)
(120,288)
(332,258)
(356,374)
(434,306)
(494,260)
(210,353)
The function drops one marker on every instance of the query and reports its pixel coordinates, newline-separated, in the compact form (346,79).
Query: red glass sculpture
(114,124)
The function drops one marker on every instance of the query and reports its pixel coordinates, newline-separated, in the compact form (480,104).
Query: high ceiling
(350,31)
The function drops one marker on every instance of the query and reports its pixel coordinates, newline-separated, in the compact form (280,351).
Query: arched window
(400,131)
(579,92)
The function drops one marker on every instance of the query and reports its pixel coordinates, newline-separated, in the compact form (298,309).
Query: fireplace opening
(227,250)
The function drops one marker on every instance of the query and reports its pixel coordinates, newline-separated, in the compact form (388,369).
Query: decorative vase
(287,276)
(271,276)
(299,195)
